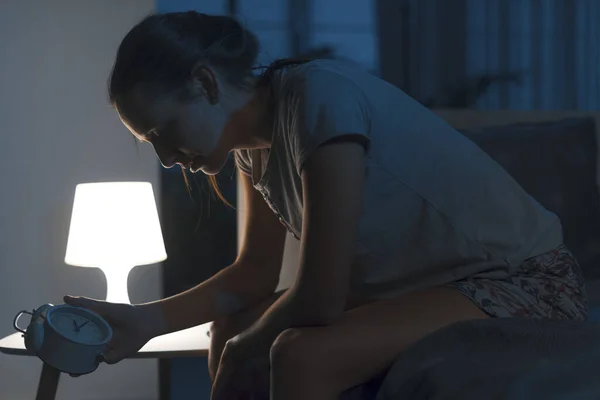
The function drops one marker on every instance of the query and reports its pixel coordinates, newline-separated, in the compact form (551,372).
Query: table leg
(48,383)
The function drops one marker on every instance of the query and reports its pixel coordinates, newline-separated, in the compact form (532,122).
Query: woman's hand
(132,326)
(243,371)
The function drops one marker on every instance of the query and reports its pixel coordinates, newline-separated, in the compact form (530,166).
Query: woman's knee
(294,350)
(221,331)
(233,324)
(225,328)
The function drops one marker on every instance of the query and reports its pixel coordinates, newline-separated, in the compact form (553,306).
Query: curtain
(552,45)
(422,44)
(542,54)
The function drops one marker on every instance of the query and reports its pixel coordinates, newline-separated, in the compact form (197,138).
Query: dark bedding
(500,359)
(496,359)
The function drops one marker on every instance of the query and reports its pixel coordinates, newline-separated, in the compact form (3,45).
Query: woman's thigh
(365,341)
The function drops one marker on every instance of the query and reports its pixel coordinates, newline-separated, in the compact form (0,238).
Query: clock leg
(48,383)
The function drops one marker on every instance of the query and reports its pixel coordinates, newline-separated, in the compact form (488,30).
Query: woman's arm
(333,180)
(253,276)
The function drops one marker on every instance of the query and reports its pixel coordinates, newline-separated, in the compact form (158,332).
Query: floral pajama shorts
(547,286)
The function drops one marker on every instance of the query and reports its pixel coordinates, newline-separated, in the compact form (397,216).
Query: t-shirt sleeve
(328,106)
(243,161)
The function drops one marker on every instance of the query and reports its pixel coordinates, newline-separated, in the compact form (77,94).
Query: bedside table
(193,342)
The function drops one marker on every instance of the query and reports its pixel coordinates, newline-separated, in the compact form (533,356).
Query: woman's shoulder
(323,69)
(327,65)
(335,81)
(320,81)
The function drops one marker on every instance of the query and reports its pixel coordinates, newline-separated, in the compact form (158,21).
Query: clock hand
(82,325)
(76,326)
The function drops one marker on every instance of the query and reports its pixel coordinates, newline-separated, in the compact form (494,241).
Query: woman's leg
(224,329)
(320,363)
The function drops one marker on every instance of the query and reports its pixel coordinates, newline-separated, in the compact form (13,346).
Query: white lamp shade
(114,224)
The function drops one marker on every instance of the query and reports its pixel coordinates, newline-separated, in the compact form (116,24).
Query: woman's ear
(204,81)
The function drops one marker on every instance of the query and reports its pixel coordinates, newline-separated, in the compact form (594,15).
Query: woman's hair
(158,54)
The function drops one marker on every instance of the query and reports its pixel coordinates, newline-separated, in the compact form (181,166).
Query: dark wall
(199,229)
(200,238)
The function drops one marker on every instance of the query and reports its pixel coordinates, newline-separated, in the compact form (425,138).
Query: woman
(405,225)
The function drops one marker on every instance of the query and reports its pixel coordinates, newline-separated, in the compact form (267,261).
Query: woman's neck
(255,121)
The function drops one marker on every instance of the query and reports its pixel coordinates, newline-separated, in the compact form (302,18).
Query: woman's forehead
(141,114)
(133,128)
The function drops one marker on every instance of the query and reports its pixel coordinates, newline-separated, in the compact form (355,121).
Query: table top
(193,342)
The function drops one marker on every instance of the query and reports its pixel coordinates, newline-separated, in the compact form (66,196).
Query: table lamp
(114,227)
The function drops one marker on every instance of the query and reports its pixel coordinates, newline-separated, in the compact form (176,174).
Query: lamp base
(116,283)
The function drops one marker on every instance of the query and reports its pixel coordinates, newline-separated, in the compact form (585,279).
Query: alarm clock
(69,339)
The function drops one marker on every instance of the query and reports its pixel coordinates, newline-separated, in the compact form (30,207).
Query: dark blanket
(501,358)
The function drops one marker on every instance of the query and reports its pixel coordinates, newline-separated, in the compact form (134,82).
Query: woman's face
(190,133)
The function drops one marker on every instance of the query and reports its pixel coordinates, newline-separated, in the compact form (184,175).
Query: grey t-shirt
(436,208)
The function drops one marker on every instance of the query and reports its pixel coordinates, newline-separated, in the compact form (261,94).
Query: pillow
(555,162)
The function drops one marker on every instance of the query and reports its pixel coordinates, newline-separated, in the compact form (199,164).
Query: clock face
(79,325)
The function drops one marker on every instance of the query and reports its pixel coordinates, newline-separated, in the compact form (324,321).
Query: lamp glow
(114,227)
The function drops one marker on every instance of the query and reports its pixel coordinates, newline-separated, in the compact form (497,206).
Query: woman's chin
(211,165)
(209,170)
